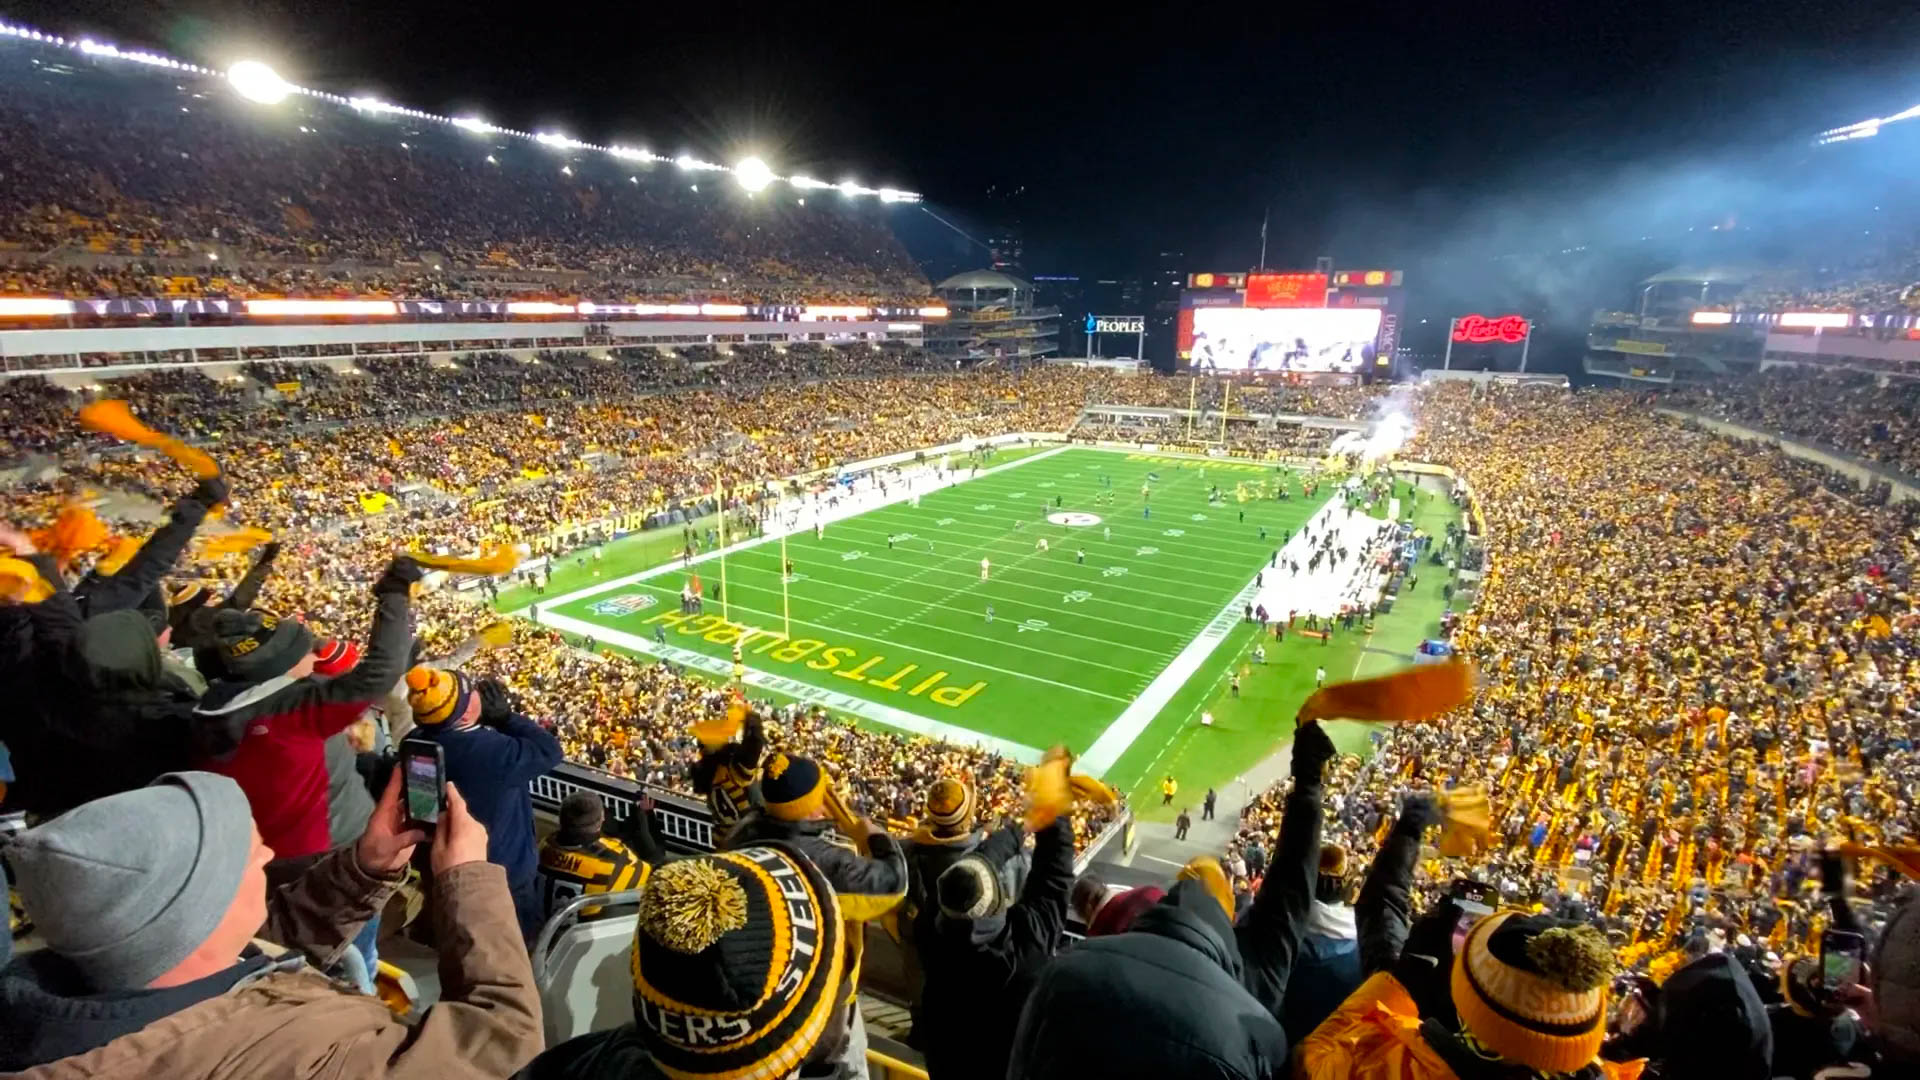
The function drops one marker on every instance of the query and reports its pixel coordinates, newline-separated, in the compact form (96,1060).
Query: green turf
(1253,725)
(646,550)
(1070,644)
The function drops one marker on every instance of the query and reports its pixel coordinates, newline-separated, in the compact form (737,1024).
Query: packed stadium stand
(127,181)
(249,625)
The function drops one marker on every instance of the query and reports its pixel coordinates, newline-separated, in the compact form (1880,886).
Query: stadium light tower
(753,174)
(257,82)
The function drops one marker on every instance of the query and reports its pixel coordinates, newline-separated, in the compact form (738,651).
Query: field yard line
(846,703)
(766,538)
(1107,642)
(897,623)
(1093,543)
(1145,528)
(1020,558)
(1133,720)
(773,618)
(1134,627)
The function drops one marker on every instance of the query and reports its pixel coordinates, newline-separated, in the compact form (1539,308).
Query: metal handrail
(561,919)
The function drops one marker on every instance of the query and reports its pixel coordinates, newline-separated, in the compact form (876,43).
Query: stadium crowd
(160,182)
(1657,598)
(1848,411)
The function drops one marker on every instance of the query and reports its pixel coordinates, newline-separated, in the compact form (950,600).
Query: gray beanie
(1896,984)
(126,887)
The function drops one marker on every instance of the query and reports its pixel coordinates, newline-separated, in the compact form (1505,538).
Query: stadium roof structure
(1703,275)
(984,279)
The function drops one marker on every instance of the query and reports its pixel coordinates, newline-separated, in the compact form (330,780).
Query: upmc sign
(1480,330)
(1286,290)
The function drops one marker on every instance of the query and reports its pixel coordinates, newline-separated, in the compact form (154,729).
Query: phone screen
(1840,961)
(1471,911)
(423,788)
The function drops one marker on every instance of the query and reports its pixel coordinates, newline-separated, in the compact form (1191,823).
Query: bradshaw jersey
(604,866)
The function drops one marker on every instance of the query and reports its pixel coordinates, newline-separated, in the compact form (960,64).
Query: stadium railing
(685,825)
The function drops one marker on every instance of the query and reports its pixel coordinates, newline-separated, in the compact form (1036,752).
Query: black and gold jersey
(604,866)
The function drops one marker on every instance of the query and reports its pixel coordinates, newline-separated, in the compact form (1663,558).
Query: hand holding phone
(1842,957)
(387,844)
(1475,901)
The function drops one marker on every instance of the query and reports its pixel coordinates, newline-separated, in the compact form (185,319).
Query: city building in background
(993,317)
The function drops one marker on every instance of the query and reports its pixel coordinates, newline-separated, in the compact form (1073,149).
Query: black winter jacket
(1162,1000)
(977,972)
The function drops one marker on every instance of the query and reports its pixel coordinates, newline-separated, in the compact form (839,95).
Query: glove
(210,492)
(1420,812)
(1425,965)
(399,577)
(496,706)
(1312,749)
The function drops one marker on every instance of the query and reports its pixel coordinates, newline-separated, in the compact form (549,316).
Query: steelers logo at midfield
(1074,519)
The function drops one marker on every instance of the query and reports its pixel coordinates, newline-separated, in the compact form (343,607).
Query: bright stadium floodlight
(849,188)
(753,174)
(369,104)
(473,124)
(259,83)
(629,153)
(805,183)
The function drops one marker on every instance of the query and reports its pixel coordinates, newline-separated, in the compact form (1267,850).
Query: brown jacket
(293,1022)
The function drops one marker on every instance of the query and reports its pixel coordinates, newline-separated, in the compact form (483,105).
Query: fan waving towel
(77,530)
(1902,857)
(492,561)
(1418,693)
(1466,821)
(114,417)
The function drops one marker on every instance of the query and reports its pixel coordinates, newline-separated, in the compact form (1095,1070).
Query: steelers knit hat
(437,696)
(1533,990)
(737,963)
(793,788)
(950,807)
(258,645)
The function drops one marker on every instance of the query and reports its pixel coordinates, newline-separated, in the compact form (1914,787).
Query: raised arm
(1385,908)
(1270,932)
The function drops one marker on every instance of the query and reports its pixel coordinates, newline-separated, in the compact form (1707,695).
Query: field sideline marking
(671,566)
(805,691)
(1135,718)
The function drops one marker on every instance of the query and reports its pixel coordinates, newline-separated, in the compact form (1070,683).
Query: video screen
(1284,339)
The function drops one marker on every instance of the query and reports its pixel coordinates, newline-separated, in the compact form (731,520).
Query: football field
(888,615)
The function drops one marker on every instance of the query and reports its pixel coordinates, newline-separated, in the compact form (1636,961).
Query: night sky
(1370,132)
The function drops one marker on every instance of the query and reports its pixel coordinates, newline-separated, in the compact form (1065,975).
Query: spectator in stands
(739,969)
(1344,944)
(1892,1001)
(137,582)
(265,723)
(728,768)
(980,947)
(147,901)
(1186,992)
(579,861)
(493,753)
(794,791)
(1527,996)
(1705,1020)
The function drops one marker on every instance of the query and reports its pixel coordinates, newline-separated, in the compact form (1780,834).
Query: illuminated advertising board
(1300,290)
(1257,340)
